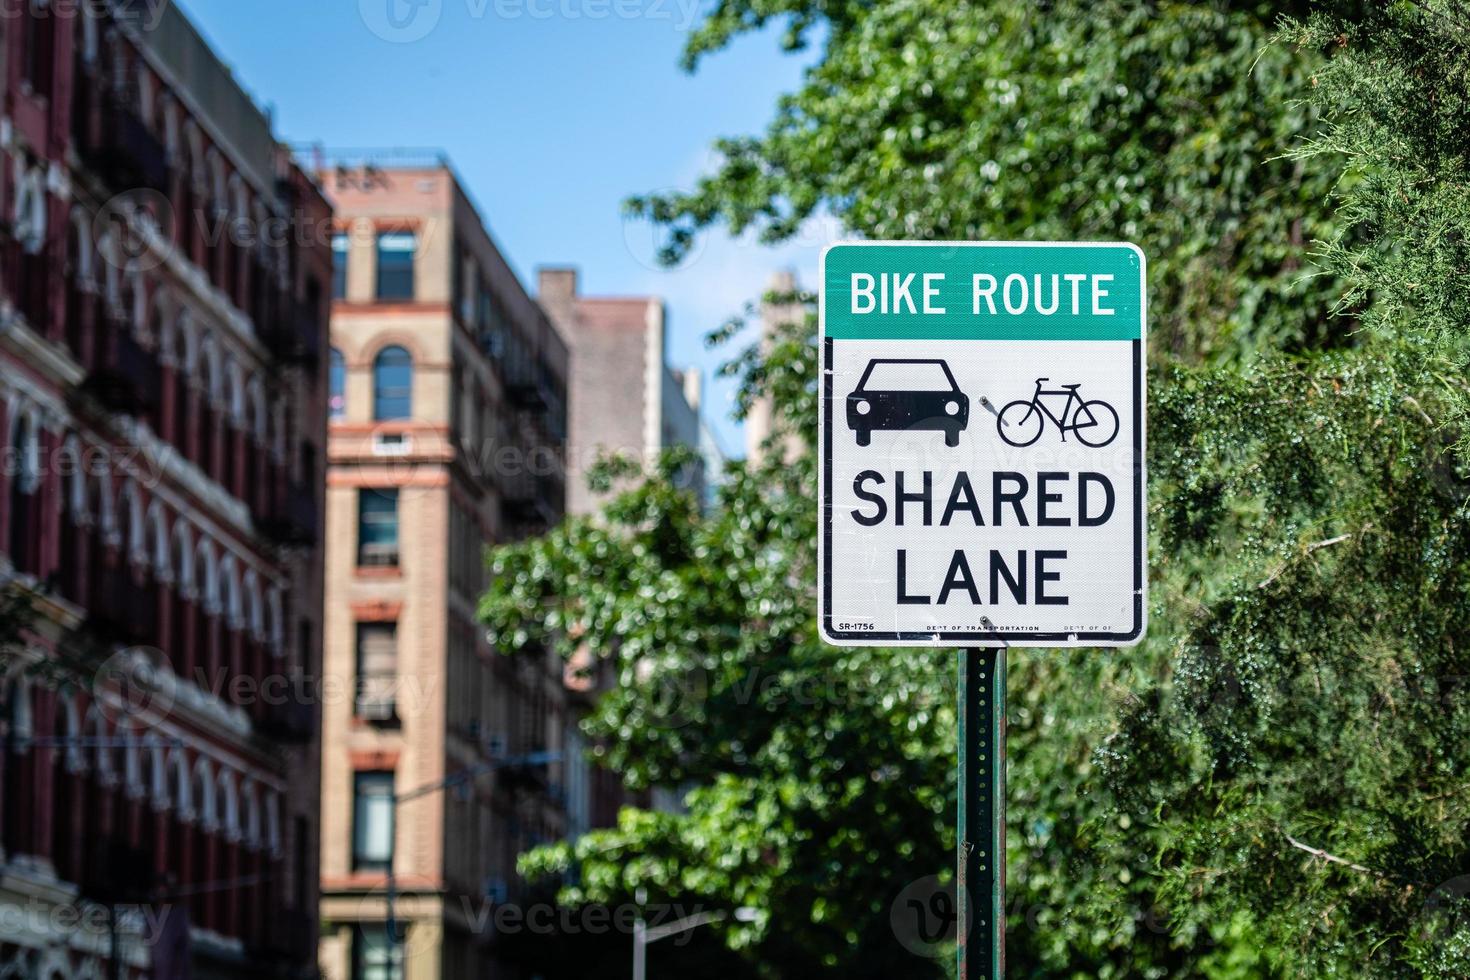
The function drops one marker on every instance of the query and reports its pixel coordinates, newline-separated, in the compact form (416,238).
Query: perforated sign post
(982,481)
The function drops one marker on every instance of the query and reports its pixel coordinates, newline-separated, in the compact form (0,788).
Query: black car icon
(908,393)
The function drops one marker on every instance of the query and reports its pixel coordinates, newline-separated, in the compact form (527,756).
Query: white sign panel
(982,473)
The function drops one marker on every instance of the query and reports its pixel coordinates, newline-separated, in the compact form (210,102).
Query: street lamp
(642,935)
(459,778)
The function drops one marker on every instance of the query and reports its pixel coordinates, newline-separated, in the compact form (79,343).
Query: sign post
(982,483)
(980,885)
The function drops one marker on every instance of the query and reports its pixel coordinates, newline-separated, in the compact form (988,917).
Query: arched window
(30,209)
(25,479)
(230,592)
(392,384)
(198,181)
(183,791)
(254,606)
(218,185)
(337,381)
(254,828)
(134,786)
(259,422)
(71,465)
(168,113)
(134,532)
(235,393)
(100,504)
(204,795)
(183,556)
(79,248)
(206,577)
(158,791)
(157,542)
(227,809)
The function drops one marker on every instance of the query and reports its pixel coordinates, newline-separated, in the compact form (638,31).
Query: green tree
(1275,782)
(1309,761)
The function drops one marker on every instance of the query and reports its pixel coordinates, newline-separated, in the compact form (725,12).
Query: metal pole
(395,798)
(115,943)
(640,949)
(980,891)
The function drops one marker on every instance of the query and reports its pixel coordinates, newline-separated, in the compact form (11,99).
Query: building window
(392,384)
(377,671)
(339,265)
(395,265)
(372,957)
(372,821)
(25,509)
(337,382)
(377,527)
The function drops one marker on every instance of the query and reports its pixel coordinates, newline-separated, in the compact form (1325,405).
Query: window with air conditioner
(377,671)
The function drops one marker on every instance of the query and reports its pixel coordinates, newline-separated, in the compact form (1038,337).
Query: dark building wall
(164,273)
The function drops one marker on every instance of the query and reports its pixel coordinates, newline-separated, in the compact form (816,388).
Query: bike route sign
(982,478)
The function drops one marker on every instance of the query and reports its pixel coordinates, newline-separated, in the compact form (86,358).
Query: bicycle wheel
(1020,423)
(1103,428)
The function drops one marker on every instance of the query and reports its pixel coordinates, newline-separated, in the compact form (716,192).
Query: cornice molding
(50,359)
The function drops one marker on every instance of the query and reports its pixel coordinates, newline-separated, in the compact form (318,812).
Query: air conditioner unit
(377,555)
(376,709)
(391,444)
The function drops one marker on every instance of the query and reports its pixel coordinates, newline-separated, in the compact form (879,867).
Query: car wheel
(951,437)
(864,436)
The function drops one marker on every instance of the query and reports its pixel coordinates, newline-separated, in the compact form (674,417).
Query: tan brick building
(449,394)
(625,396)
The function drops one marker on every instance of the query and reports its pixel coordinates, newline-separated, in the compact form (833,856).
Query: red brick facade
(163,297)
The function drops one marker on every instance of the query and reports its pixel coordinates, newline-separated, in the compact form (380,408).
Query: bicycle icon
(1094,423)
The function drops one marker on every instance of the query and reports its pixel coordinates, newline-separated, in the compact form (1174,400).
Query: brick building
(449,400)
(163,287)
(625,397)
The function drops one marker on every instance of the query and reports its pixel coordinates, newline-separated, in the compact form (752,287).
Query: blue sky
(553,111)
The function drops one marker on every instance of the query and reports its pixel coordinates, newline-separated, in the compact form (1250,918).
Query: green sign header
(983,291)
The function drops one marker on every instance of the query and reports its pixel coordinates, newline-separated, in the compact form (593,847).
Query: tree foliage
(1162,124)
(1275,783)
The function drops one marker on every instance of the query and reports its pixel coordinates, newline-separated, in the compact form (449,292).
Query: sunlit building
(449,415)
(626,398)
